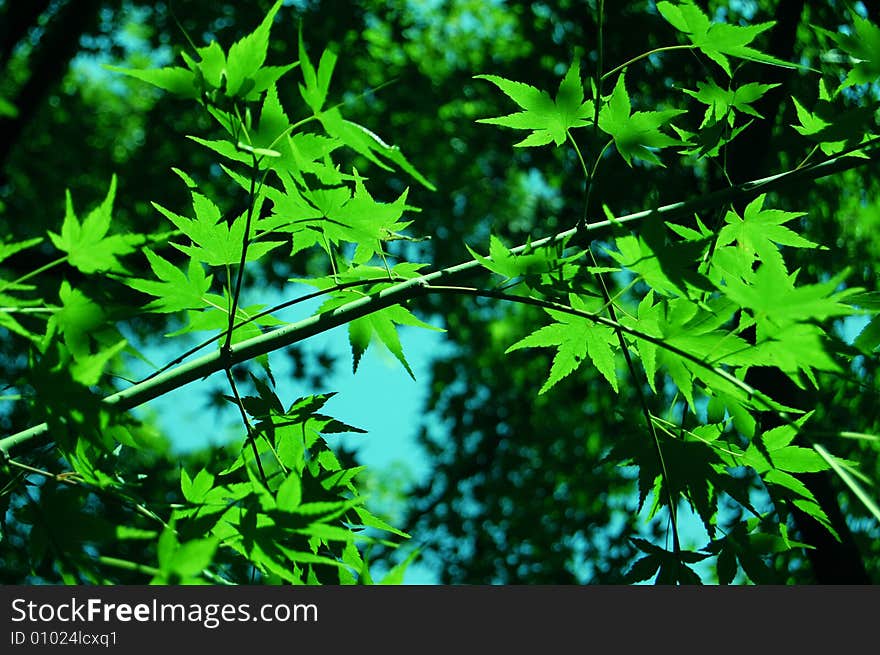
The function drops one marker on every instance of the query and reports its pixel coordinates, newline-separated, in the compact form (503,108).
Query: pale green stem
(644,55)
(35,272)
(28,310)
(127,565)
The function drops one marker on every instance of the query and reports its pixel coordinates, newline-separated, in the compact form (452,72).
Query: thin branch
(244,248)
(762,402)
(259,315)
(35,272)
(395,294)
(251,434)
(606,296)
(73,479)
(127,565)
(644,55)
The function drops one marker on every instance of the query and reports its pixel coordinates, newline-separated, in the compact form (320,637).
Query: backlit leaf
(174,289)
(574,338)
(636,135)
(548,120)
(717,41)
(87,244)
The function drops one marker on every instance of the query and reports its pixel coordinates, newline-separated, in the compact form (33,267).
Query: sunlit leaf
(548,119)
(87,244)
(575,338)
(637,135)
(717,41)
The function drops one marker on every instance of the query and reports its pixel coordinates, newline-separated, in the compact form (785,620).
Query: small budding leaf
(317,83)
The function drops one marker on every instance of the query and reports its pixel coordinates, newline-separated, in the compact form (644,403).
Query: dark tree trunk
(48,63)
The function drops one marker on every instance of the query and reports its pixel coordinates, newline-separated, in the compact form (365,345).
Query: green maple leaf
(635,134)
(721,103)
(87,369)
(77,320)
(291,212)
(214,241)
(311,153)
(797,347)
(792,459)
(242,70)
(174,289)
(709,140)
(317,83)
(364,221)
(832,125)
(775,459)
(273,126)
(743,543)
(863,47)
(759,232)
(665,264)
(528,262)
(369,144)
(248,54)
(175,79)
(776,445)
(786,317)
(717,41)
(382,325)
(776,303)
(268,141)
(548,120)
(575,338)
(694,328)
(87,245)
(670,567)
